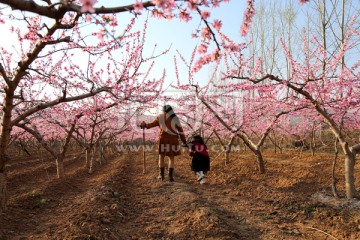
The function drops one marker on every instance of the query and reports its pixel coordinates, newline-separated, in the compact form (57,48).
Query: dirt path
(118,201)
(183,209)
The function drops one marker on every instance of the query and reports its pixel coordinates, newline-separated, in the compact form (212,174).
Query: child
(200,158)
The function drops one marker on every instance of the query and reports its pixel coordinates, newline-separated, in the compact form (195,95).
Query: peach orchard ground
(291,201)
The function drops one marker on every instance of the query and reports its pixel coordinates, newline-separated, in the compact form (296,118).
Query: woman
(170,130)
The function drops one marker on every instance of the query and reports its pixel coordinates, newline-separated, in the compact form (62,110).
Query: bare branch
(39,137)
(65,39)
(4,75)
(57,13)
(56,102)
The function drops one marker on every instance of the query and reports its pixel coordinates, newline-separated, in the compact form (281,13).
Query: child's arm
(191,149)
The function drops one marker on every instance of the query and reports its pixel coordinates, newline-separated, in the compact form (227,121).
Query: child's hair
(198,138)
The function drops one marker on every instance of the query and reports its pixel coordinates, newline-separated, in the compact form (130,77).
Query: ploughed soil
(292,200)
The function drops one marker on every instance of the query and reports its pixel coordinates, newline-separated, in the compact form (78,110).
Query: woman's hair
(169,110)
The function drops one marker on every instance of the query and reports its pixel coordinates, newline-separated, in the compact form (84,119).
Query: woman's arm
(154,123)
(181,132)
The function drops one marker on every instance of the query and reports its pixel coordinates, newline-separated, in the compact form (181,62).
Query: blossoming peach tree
(69,50)
(329,94)
(57,60)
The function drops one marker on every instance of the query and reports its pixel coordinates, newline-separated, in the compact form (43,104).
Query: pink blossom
(248,15)
(101,35)
(88,18)
(193,4)
(138,6)
(205,33)
(244,30)
(215,55)
(217,24)
(164,4)
(205,60)
(205,3)
(184,16)
(202,48)
(233,47)
(108,18)
(205,14)
(88,6)
(157,14)
(303,1)
(216,4)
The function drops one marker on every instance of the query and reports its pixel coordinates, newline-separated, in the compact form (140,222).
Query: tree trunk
(144,152)
(110,149)
(228,149)
(91,163)
(4,141)
(3,192)
(349,168)
(334,179)
(101,153)
(41,154)
(321,136)
(227,152)
(313,140)
(260,161)
(60,168)
(274,141)
(349,176)
(87,158)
